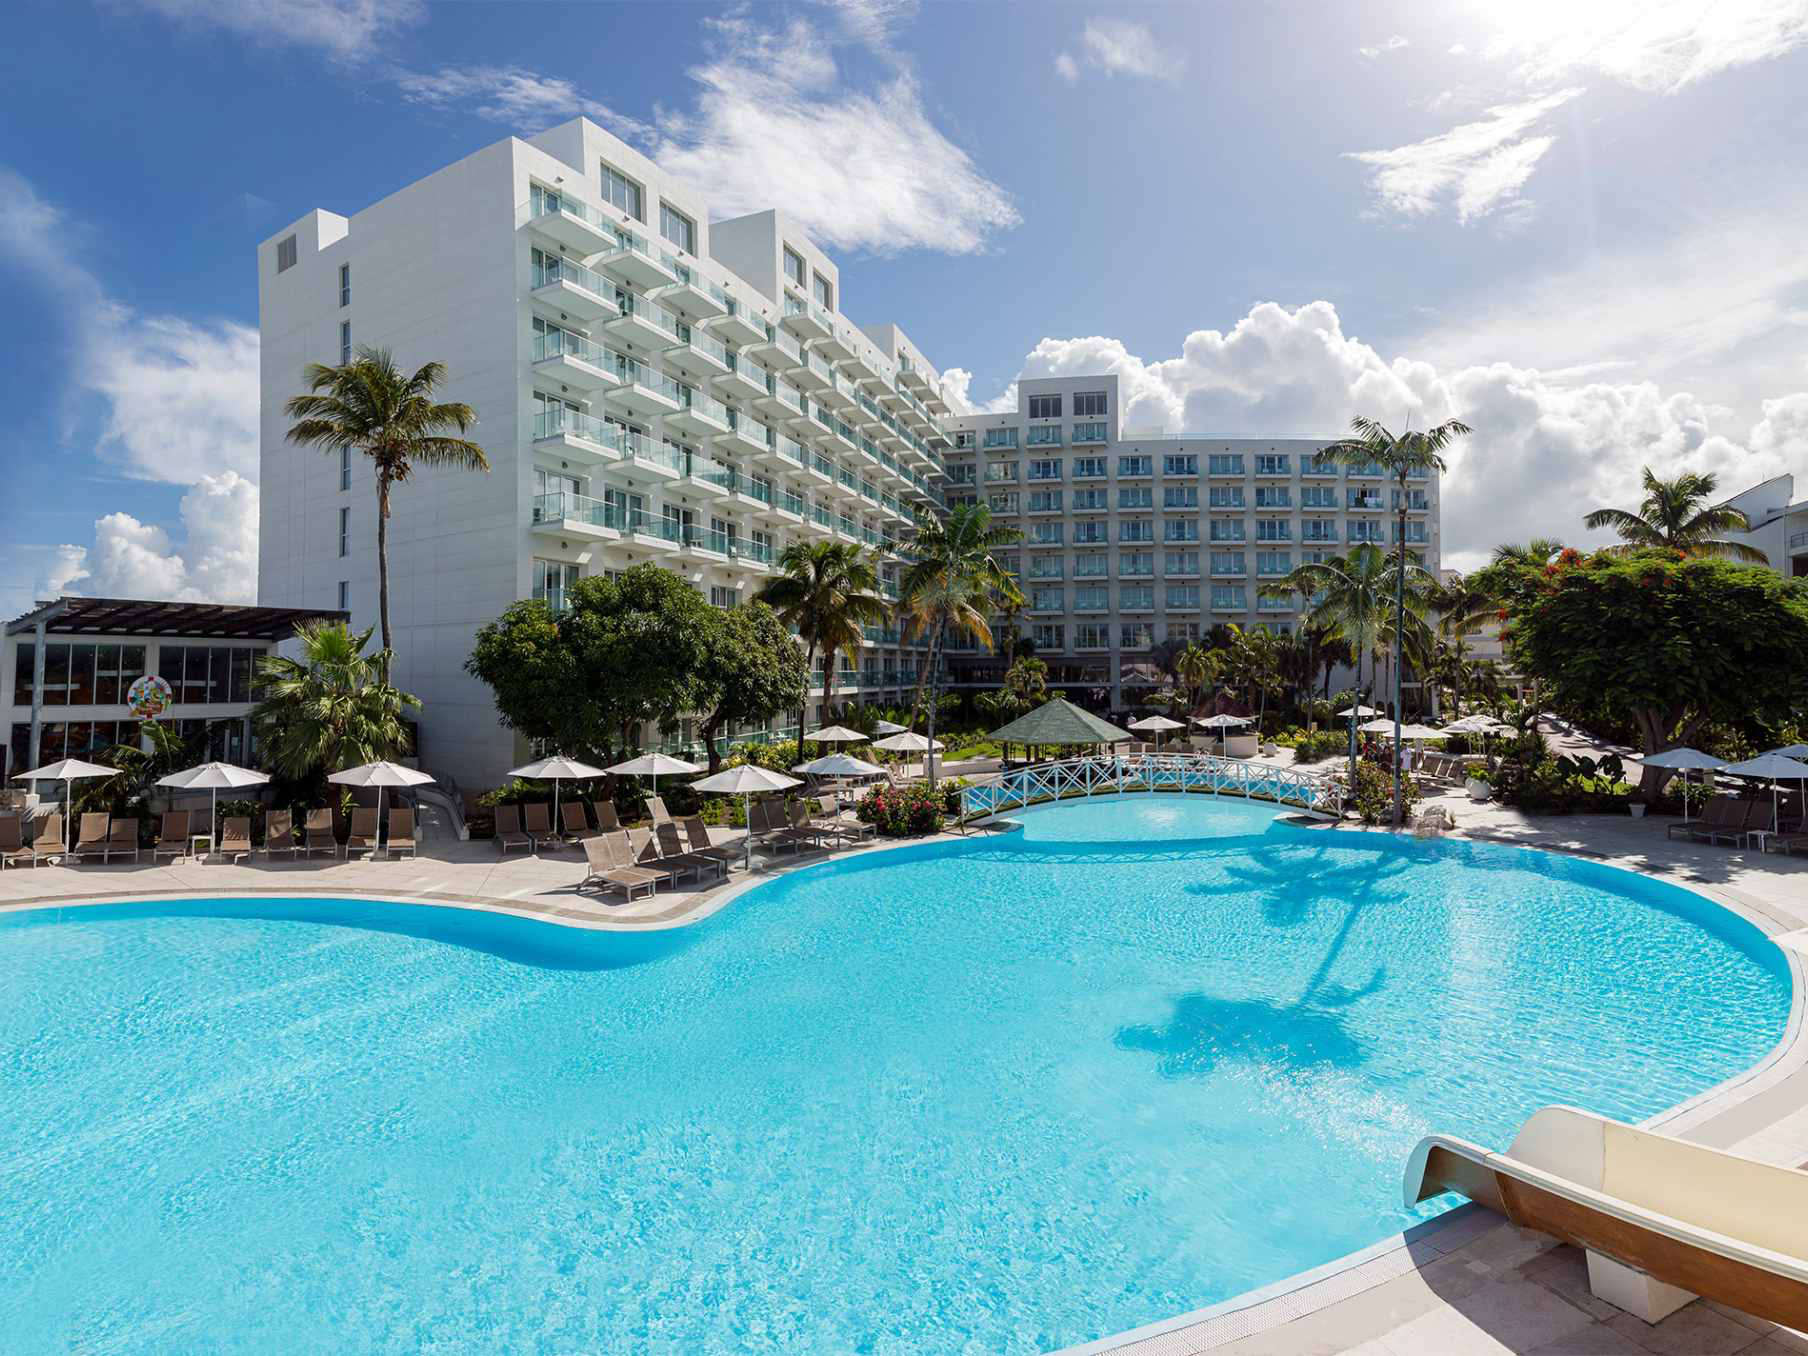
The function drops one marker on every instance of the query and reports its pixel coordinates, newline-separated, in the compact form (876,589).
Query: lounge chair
(537,821)
(1663,1220)
(696,833)
(12,844)
(601,854)
(840,821)
(574,822)
(508,830)
(122,839)
(401,833)
(318,829)
(775,830)
(656,810)
(235,837)
(624,849)
(673,850)
(91,838)
(362,836)
(172,836)
(47,842)
(1714,815)
(603,811)
(279,833)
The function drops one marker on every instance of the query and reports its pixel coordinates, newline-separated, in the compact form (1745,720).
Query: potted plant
(1479,783)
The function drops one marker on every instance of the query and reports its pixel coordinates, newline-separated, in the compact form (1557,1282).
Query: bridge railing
(1108,774)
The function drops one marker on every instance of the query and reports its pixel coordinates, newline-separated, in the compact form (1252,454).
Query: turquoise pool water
(997,1096)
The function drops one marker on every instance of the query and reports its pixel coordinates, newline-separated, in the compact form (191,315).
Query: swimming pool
(1001,1095)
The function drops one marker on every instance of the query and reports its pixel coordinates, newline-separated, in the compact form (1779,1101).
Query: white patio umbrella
(1416,733)
(1382,725)
(655,765)
(1791,751)
(558,767)
(381,775)
(66,770)
(1773,768)
(1358,710)
(212,776)
(1159,724)
(889,727)
(839,765)
(836,734)
(1220,722)
(743,781)
(908,741)
(1684,760)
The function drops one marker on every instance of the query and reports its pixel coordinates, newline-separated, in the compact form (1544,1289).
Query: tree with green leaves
(1675,515)
(1351,597)
(1666,645)
(752,671)
(368,408)
(828,593)
(1198,668)
(954,583)
(331,707)
(626,652)
(1404,457)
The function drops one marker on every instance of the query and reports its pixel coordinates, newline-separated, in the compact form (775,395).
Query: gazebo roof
(144,617)
(1059,722)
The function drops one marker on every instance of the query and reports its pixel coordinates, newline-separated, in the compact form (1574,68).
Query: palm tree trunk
(383,572)
(916,697)
(935,651)
(1355,704)
(803,711)
(1399,644)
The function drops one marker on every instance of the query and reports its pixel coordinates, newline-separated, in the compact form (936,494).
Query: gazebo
(1056,722)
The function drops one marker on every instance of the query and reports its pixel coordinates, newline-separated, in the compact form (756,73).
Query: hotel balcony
(696,295)
(579,436)
(648,393)
(633,259)
(787,506)
(841,396)
(741,325)
(646,323)
(913,376)
(578,515)
(778,350)
(813,372)
(843,342)
(656,532)
(576,361)
(782,400)
(572,288)
(807,320)
(710,478)
(744,378)
(576,225)
(649,462)
(745,435)
(699,414)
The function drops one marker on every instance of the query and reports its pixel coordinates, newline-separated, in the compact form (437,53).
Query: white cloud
(1548,445)
(1478,166)
(872,22)
(513,95)
(166,399)
(1661,46)
(343,28)
(1393,44)
(1119,47)
(1067,68)
(858,170)
(957,386)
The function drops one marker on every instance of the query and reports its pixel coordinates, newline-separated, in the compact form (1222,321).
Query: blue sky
(1579,233)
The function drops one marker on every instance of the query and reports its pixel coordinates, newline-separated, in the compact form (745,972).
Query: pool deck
(1466,1283)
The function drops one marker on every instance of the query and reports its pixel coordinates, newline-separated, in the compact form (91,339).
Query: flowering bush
(908,812)
(1373,797)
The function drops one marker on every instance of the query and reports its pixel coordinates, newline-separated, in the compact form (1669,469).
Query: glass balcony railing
(821,465)
(753,550)
(704,405)
(652,313)
(790,449)
(715,291)
(706,539)
(563,204)
(785,344)
(792,502)
(551,423)
(785,393)
(750,428)
(821,516)
(712,472)
(579,508)
(748,369)
(658,383)
(563,343)
(644,524)
(758,489)
(797,306)
(633,243)
(699,342)
(552,268)
(644,449)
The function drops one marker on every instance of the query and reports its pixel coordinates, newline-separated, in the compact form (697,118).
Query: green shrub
(1373,800)
(1320,745)
(907,812)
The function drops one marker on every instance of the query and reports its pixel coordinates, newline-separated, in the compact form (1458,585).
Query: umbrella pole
(213,820)
(747,837)
(379,817)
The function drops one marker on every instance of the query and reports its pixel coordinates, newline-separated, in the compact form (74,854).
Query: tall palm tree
(1198,668)
(1349,597)
(369,408)
(331,707)
(1538,552)
(828,593)
(1402,456)
(955,581)
(1671,516)
(1463,604)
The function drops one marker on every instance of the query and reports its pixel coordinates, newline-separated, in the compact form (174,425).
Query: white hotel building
(654,385)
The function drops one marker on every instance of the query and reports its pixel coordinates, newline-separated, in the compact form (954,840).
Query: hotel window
(1136,565)
(1136,598)
(1225,463)
(1086,468)
(1228,598)
(1318,496)
(1135,636)
(1226,531)
(1415,532)
(285,254)
(1050,636)
(622,192)
(1229,562)
(1272,464)
(678,228)
(823,292)
(1183,630)
(1273,529)
(1180,464)
(345,595)
(1091,565)
(1180,496)
(1046,600)
(1001,437)
(1363,530)
(1227,496)
(1045,407)
(1089,405)
(553,582)
(1183,595)
(1045,567)
(1089,534)
(1089,433)
(1181,562)
(345,342)
(1318,529)
(724,597)
(1317,465)
(1003,502)
(962,474)
(345,468)
(1274,562)
(1045,501)
(1045,470)
(1045,534)
(1089,501)
(1001,470)
(1092,636)
(345,530)
(1135,466)
(1091,599)
(1180,529)
(345,284)
(794,268)
(963,440)
(1135,497)
(1273,496)
(1043,435)
(1136,530)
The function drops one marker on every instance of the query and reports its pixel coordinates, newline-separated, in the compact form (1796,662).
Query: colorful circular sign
(149,696)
